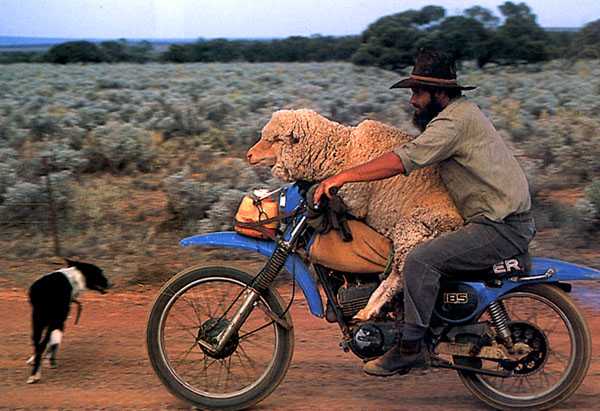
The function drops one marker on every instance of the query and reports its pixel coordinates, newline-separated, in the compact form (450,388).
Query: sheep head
(300,145)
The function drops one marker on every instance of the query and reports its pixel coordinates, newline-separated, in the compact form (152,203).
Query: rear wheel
(196,305)
(544,318)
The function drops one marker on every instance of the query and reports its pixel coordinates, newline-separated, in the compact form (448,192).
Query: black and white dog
(50,297)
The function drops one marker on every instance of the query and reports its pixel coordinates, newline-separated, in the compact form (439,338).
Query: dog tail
(79,309)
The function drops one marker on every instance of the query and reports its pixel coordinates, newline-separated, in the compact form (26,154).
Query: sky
(240,18)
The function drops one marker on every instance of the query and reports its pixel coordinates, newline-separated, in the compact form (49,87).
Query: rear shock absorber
(500,320)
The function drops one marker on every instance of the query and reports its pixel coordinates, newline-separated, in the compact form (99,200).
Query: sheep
(302,144)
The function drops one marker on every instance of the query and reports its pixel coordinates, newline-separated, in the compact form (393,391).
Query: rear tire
(187,385)
(577,365)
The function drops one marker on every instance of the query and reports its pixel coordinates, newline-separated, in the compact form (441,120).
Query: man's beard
(422,118)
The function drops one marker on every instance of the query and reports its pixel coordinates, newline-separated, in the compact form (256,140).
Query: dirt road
(103,365)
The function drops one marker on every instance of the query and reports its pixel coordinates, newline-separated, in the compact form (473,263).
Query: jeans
(476,246)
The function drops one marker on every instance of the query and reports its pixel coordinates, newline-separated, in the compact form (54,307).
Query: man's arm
(387,165)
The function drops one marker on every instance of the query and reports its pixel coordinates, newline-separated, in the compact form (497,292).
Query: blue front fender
(294,265)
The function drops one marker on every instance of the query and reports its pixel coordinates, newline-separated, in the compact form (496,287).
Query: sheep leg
(407,234)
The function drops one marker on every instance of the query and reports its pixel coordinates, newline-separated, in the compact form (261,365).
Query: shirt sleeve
(435,144)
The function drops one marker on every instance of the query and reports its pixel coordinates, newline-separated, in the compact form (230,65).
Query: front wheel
(196,305)
(544,318)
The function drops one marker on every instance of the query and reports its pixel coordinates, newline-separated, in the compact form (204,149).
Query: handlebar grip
(332,191)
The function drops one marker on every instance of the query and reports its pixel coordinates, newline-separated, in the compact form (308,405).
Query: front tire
(200,301)
(569,349)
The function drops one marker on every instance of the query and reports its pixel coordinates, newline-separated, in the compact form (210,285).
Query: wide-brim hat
(434,69)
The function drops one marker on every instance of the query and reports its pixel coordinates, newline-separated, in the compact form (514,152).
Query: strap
(434,79)
(259,225)
(388,266)
(253,224)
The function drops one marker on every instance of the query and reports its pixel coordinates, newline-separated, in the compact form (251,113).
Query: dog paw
(33,379)
(49,362)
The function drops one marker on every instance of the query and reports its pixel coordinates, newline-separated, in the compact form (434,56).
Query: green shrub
(187,199)
(74,51)
(119,147)
(27,203)
(592,194)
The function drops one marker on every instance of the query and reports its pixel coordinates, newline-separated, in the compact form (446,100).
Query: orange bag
(257,215)
(368,252)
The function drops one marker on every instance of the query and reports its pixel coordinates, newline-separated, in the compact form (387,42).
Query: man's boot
(400,359)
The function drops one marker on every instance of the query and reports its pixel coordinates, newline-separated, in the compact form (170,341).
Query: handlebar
(332,191)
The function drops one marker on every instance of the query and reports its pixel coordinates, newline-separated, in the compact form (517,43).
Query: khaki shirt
(481,174)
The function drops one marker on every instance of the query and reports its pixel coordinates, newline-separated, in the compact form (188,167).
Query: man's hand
(324,188)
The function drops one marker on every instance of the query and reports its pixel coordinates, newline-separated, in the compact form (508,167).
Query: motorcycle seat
(516,266)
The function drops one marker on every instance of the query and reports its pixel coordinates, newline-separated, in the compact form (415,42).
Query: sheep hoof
(365,314)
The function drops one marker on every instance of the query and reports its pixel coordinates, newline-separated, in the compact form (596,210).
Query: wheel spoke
(192,304)
(250,333)
(550,330)
(185,327)
(247,357)
(560,356)
(243,363)
(185,354)
(229,373)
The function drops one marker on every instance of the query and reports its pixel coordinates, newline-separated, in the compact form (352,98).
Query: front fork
(263,280)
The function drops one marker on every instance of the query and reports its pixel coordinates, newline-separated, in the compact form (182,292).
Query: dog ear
(70,263)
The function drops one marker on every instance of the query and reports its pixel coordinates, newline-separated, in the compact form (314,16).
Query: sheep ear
(296,134)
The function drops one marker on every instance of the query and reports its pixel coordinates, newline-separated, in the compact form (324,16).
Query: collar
(451,106)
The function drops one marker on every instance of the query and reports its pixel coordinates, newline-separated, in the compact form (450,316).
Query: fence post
(52,211)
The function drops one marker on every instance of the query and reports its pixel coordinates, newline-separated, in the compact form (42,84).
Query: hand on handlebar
(328,187)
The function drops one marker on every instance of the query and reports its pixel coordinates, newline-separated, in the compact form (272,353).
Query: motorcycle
(222,338)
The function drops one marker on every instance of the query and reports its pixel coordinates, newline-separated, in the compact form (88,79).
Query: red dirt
(103,365)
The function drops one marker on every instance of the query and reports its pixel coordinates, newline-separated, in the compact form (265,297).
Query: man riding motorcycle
(484,179)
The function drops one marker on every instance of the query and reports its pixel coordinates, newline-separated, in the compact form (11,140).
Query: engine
(369,339)
(373,339)
(352,299)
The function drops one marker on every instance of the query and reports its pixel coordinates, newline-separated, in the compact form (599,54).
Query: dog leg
(36,337)
(55,340)
(36,369)
(40,347)
(50,357)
